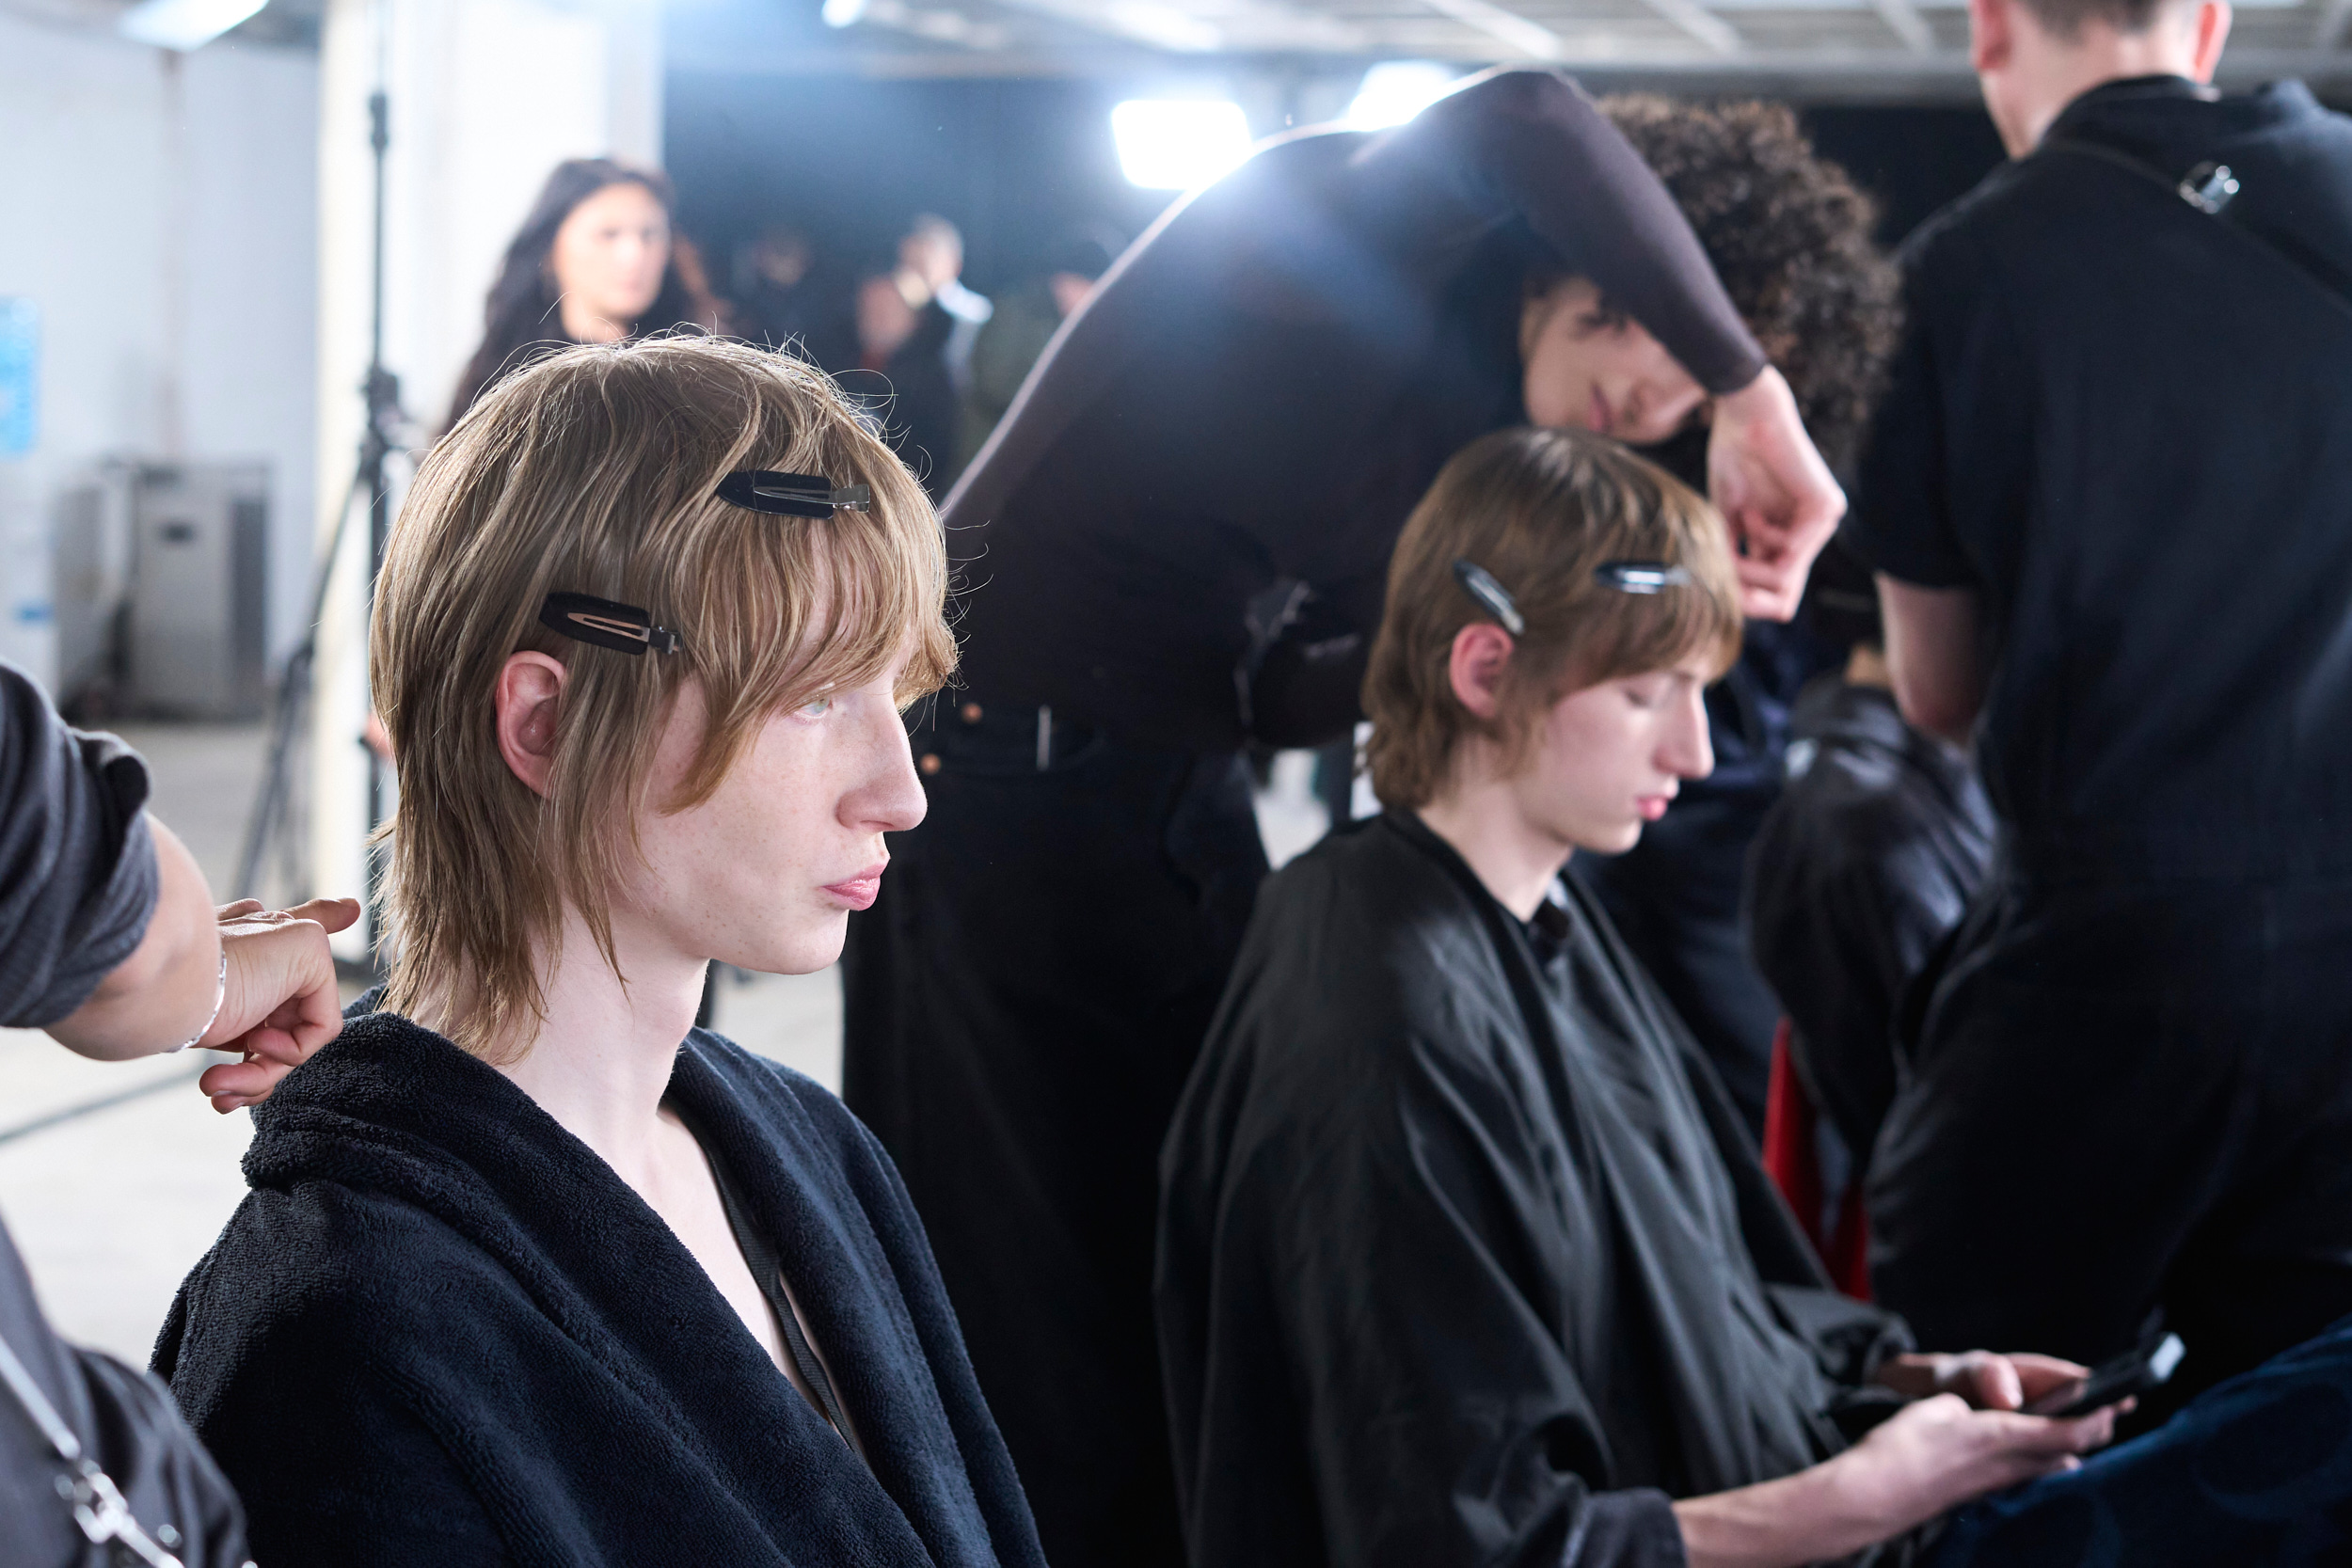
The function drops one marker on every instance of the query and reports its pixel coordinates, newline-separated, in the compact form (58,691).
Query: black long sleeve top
(1264,386)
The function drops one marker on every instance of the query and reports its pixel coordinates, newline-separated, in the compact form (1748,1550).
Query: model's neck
(1479,815)
(601,1059)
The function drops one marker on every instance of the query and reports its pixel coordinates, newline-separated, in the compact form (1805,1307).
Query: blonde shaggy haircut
(593,471)
(1539,510)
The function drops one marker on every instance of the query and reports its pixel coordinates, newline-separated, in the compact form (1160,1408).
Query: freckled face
(763,874)
(1609,758)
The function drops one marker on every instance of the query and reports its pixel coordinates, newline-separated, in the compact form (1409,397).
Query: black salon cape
(442,1330)
(1463,1259)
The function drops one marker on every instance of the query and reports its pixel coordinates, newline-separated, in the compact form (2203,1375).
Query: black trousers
(2116,1098)
(1025,1002)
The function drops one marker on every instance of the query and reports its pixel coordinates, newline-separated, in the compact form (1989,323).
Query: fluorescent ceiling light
(183,23)
(1394,91)
(842,13)
(1177,144)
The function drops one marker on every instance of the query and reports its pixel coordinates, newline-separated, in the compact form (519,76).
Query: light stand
(291,700)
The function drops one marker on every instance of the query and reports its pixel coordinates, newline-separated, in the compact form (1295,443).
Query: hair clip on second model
(1639,577)
(1480,584)
(623,627)
(792,494)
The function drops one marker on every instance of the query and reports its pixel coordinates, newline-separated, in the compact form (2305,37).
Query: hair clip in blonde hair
(1480,584)
(623,627)
(1639,577)
(792,494)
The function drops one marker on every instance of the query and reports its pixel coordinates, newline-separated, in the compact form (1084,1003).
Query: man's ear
(2212,24)
(1482,651)
(1990,35)
(530,692)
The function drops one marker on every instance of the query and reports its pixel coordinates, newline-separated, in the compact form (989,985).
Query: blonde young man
(533,1272)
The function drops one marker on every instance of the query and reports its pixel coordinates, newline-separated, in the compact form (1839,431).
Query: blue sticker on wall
(20,376)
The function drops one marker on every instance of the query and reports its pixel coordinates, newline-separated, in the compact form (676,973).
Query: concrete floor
(116,1176)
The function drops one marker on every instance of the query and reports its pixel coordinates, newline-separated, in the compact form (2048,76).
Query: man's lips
(1653,806)
(859,892)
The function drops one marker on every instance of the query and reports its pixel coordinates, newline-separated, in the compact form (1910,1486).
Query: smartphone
(2135,1371)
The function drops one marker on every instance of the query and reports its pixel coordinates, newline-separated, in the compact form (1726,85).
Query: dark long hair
(522,321)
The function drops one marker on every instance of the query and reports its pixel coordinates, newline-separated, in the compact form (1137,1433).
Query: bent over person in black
(1174,545)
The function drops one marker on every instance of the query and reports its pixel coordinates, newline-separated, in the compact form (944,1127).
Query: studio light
(842,13)
(1177,144)
(1394,91)
(184,24)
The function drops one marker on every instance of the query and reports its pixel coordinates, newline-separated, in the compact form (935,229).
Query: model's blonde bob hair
(593,471)
(1539,510)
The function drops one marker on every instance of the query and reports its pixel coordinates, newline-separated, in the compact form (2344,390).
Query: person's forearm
(1812,1516)
(162,995)
(1934,655)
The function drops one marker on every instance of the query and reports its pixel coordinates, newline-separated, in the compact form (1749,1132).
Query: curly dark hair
(1789,234)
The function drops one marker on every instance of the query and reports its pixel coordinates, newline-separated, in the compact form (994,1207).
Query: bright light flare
(184,24)
(1394,91)
(842,13)
(1179,144)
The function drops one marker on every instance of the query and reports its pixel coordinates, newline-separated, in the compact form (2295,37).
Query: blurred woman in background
(595,261)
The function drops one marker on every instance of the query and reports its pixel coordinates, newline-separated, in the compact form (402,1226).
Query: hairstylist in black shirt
(108,941)
(2107,500)
(1177,542)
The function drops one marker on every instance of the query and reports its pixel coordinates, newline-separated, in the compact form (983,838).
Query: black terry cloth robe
(442,1330)
(1247,409)
(1464,1259)
(2125,426)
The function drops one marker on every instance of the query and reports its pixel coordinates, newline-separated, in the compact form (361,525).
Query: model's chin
(813,943)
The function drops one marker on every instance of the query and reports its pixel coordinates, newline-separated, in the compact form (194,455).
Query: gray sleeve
(77,865)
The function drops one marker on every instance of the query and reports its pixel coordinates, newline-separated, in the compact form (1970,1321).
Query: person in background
(916,324)
(1766,209)
(595,261)
(2106,499)
(1244,413)
(532,1271)
(1463,1260)
(110,940)
(787,297)
(1879,840)
(1022,325)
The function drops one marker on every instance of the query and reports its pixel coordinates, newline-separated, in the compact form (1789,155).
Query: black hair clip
(1480,584)
(1639,577)
(623,627)
(791,495)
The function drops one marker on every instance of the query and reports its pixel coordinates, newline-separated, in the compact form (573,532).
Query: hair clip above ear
(1480,584)
(1641,577)
(785,495)
(623,627)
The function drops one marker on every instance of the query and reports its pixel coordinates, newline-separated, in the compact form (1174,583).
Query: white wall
(162,214)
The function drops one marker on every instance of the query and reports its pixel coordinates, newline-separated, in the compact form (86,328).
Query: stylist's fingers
(233,1086)
(333,914)
(238,910)
(2037,1376)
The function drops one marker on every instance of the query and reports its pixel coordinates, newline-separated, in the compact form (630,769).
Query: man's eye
(816,707)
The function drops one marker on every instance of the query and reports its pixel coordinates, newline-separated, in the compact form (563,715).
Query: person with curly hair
(1790,237)
(1176,545)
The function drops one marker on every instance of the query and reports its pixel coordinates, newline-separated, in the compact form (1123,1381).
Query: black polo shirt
(2127,426)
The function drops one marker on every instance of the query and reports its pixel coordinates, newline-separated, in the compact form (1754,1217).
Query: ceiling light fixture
(184,24)
(842,13)
(1394,91)
(1179,144)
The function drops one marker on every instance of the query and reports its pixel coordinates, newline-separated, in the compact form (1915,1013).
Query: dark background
(1015,162)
